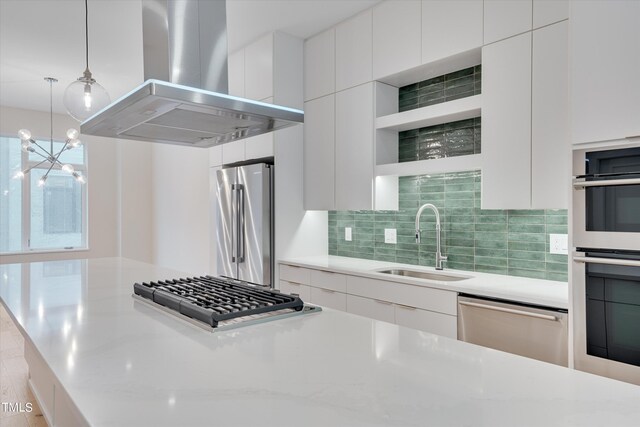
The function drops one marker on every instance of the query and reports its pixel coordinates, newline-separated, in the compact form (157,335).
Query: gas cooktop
(216,303)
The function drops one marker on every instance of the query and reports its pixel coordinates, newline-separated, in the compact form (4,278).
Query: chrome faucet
(439,256)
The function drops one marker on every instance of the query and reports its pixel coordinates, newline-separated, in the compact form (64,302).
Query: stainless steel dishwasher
(537,332)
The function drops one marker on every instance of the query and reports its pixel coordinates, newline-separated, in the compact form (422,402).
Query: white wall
(101,178)
(180,203)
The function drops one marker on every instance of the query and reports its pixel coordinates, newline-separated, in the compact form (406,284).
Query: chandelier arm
(41,155)
(39,146)
(26,171)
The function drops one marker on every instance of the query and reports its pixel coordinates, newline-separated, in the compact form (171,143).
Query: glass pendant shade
(83,98)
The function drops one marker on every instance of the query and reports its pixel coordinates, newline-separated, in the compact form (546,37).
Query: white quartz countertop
(126,364)
(522,289)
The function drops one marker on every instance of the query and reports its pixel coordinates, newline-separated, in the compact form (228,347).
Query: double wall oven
(606,267)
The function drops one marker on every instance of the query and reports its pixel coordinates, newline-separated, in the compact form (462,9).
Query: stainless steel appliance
(244,223)
(217,304)
(606,198)
(606,307)
(184,99)
(532,331)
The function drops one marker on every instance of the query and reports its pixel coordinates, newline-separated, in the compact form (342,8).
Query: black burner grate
(212,300)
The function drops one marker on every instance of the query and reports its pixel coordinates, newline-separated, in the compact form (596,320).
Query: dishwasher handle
(510,310)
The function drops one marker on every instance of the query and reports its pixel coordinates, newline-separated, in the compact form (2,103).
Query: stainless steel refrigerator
(244,223)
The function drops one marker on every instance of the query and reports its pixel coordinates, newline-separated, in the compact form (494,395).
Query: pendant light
(29,145)
(85,97)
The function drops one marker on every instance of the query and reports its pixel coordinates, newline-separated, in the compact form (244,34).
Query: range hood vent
(184,99)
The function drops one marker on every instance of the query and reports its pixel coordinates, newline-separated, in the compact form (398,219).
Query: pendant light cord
(86,32)
(51,113)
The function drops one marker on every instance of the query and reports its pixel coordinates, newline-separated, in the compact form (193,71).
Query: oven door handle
(608,261)
(579,184)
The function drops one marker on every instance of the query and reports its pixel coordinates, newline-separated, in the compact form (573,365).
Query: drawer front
(415,296)
(291,288)
(436,323)
(328,280)
(291,273)
(374,309)
(328,298)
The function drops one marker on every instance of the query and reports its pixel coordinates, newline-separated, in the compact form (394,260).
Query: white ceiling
(41,38)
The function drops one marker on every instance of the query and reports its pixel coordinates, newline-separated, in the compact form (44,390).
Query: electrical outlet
(347,234)
(390,236)
(558,244)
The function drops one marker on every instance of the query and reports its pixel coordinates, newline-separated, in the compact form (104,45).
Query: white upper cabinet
(354,148)
(550,146)
(605,65)
(450,27)
(397,37)
(235,65)
(506,18)
(319,154)
(506,124)
(353,51)
(258,61)
(547,12)
(320,65)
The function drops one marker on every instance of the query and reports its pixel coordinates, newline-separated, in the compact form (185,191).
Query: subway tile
(502,242)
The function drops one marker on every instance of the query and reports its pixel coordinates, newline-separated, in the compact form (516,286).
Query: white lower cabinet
(429,321)
(329,298)
(56,405)
(367,307)
(418,307)
(292,288)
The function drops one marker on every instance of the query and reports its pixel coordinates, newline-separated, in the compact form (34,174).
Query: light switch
(559,244)
(347,234)
(390,235)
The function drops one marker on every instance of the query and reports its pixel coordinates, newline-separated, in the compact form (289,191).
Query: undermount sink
(427,275)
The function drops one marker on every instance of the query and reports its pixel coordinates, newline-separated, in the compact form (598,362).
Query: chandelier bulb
(18,175)
(79,177)
(42,181)
(24,134)
(73,133)
(68,168)
(75,143)
(26,145)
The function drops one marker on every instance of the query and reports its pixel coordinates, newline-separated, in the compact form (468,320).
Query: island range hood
(184,100)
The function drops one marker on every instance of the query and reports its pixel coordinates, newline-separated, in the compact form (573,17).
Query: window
(36,218)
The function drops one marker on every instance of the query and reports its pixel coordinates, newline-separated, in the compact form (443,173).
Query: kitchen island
(116,361)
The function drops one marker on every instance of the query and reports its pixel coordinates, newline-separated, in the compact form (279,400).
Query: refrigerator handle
(240,239)
(234,223)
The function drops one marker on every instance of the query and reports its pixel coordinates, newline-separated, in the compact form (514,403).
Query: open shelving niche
(389,122)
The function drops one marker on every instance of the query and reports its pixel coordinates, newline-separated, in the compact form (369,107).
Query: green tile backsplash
(459,138)
(448,87)
(513,242)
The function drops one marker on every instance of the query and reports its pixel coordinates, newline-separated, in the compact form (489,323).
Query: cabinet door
(550,147)
(424,320)
(319,154)
(233,152)
(320,65)
(235,66)
(371,308)
(547,12)
(258,61)
(396,37)
(450,27)
(506,124)
(354,148)
(605,59)
(353,51)
(506,18)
